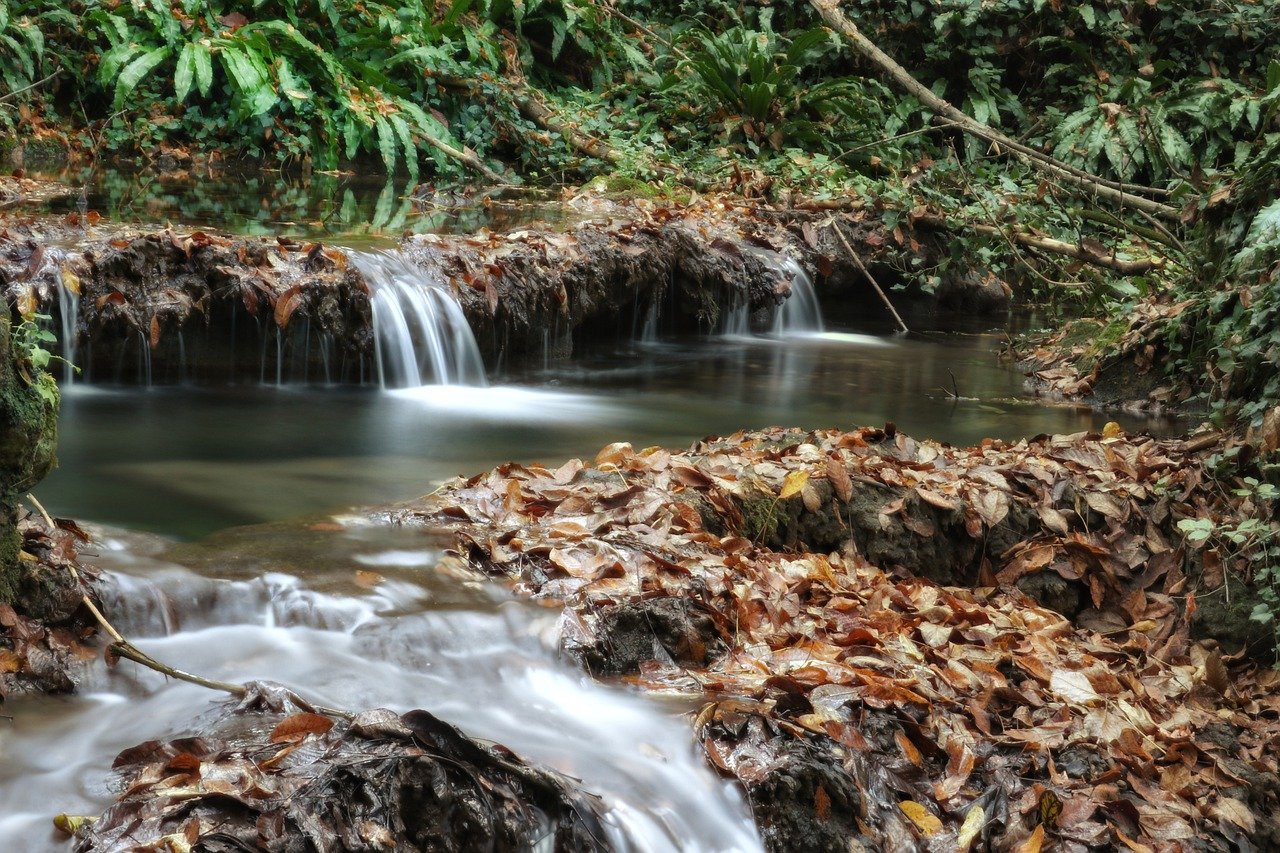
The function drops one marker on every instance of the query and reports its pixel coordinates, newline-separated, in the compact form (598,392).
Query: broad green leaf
(386,142)
(185,72)
(202,55)
(135,71)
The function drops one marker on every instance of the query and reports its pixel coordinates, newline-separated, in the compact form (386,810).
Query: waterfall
(800,311)
(421,336)
(69,315)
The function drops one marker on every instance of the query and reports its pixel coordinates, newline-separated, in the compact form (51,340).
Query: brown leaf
(288,302)
(155,331)
(298,726)
(840,480)
(366,579)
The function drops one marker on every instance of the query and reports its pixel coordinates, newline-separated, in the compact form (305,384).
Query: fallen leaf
(926,821)
(969,830)
(298,726)
(793,483)
(1073,686)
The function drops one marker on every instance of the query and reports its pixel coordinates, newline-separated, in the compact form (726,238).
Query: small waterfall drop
(69,315)
(421,335)
(800,311)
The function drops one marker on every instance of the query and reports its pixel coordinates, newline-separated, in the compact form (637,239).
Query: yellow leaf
(1033,843)
(70,281)
(71,823)
(921,817)
(793,484)
(973,823)
(1112,430)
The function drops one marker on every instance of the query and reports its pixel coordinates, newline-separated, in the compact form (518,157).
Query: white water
(800,312)
(462,651)
(69,315)
(421,335)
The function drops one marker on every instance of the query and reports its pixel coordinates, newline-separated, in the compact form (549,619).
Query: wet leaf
(155,332)
(70,280)
(298,726)
(72,823)
(366,579)
(973,823)
(926,821)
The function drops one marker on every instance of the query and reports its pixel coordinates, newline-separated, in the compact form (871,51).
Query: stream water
(203,489)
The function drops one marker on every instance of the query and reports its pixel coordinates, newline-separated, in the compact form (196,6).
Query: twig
(878,142)
(125,649)
(955,388)
(858,262)
(16,92)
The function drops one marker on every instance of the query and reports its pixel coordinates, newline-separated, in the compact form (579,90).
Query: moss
(1080,332)
(623,187)
(759,516)
(28,438)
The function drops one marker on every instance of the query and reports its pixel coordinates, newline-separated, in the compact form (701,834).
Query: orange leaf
(298,726)
(1033,842)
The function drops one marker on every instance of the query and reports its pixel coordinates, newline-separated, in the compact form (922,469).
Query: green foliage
(755,86)
(284,77)
(30,341)
(1251,543)
(23,44)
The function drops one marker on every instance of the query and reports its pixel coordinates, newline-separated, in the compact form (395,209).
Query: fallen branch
(1109,260)
(16,92)
(1114,191)
(858,262)
(121,647)
(466,157)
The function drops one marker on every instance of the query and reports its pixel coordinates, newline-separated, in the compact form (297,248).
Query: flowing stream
(278,598)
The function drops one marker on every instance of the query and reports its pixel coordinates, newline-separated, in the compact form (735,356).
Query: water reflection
(188,461)
(265,203)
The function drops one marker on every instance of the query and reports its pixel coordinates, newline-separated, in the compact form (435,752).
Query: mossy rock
(28,440)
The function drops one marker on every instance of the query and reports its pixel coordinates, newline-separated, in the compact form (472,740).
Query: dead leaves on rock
(970,701)
(380,781)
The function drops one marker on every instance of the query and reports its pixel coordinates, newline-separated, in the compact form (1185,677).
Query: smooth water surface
(187,461)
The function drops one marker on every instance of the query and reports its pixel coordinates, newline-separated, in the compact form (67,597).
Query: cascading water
(469,654)
(69,314)
(421,335)
(799,313)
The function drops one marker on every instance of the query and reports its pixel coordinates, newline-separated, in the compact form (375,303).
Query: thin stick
(34,85)
(858,261)
(878,142)
(125,649)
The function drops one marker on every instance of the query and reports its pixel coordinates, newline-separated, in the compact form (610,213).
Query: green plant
(1252,541)
(29,340)
(754,80)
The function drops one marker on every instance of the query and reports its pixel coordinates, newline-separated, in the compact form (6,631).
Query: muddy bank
(856,609)
(170,305)
(265,774)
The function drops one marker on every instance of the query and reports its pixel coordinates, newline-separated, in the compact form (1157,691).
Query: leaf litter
(907,694)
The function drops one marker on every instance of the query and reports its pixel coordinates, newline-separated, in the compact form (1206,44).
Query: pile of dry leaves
(793,579)
(271,776)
